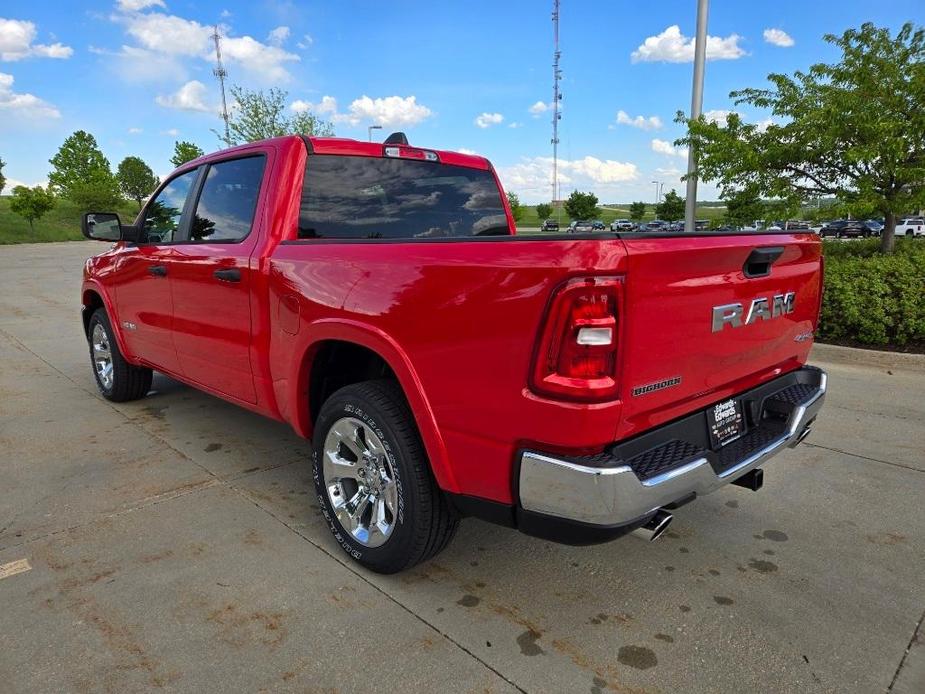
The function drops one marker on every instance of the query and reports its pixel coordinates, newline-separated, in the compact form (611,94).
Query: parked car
(874,227)
(523,382)
(598,225)
(655,225)
(550,225)
(582,226)
(911,226)
(844,229)
(622,225)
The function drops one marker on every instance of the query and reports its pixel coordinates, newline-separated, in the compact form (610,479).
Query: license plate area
(725,422)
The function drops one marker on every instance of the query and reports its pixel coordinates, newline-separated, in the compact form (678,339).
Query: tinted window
(367,197)
(225,211)
(162,216)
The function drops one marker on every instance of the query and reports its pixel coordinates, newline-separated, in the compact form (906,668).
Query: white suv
(911,226)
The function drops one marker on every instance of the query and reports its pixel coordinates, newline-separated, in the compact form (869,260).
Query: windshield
(371,198)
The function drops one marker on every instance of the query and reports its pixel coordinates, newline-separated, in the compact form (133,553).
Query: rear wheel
(373,480)
(116,379)
(910,233)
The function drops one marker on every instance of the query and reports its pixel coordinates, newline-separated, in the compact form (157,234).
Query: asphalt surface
(173,543)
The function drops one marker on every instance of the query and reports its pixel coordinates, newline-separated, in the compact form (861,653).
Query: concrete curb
(836,354)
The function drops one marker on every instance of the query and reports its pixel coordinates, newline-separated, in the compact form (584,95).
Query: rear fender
(379,342)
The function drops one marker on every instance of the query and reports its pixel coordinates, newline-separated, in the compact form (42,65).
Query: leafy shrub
(873,299)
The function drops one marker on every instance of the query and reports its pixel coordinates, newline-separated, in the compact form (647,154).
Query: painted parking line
(19,566)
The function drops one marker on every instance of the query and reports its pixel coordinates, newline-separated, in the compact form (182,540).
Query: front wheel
(116,379)
(373,479)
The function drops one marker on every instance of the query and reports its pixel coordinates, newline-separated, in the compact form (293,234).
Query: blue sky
(468,75)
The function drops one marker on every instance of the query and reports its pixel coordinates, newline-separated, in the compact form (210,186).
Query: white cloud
(21,104)
(463,150)
(778,37)
(170,36)
(486,120)
(539,108)
(137,5)
(173,132)
(515,124)
(665,147)
(16,42)
(532,176)
(306,41)
(671,46)
(278,36)
(390,110)
(190,97)
(326,107)
(135,131)
(641,122)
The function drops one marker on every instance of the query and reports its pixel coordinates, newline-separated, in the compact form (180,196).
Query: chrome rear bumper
(608,490)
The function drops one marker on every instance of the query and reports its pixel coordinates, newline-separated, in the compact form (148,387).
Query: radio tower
(556,96)
(220,72)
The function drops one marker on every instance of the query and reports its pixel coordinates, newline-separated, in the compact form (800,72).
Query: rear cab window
(360,197)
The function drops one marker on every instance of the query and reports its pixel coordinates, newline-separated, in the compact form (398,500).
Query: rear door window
(226,205)
(348,197)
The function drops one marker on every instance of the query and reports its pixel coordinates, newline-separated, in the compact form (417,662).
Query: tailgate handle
(760,260)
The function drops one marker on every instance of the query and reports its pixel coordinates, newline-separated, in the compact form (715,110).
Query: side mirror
(106,226)
(101,226)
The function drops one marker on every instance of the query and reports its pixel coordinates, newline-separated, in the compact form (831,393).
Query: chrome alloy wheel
(102,355)
(360,480)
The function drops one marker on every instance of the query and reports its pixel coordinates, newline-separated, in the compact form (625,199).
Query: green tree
(544,211)
(854,129)
(582,205)
(517,210)
(183,152)
(258,115)
(637,210)
(2,177)
(31,203)
(81,173)
(136,179)
(671,208)
(745,206)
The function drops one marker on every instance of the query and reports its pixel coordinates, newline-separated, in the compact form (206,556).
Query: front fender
(91,286)
(382,344)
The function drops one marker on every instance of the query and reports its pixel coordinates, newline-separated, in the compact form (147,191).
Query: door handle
(229,275)
(158,270)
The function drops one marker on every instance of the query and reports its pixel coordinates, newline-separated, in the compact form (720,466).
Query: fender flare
(374,339)
(92,286)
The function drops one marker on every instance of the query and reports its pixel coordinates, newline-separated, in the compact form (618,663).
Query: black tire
(128,382)
(426,522)
(910,234)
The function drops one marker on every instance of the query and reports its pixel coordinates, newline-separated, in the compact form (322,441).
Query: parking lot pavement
(173,543)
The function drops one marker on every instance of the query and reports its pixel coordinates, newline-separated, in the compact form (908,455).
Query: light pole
(369,131)
(700,57)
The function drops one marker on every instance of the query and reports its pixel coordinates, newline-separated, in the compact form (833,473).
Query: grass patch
(62,223)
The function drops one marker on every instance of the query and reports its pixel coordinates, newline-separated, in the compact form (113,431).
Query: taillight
(577,354)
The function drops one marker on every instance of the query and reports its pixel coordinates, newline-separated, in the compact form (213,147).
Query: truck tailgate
(675,358)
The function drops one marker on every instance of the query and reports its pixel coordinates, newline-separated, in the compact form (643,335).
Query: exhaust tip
(803,434)
(653,528)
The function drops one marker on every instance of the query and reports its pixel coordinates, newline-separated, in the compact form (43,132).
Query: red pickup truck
(376,297)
